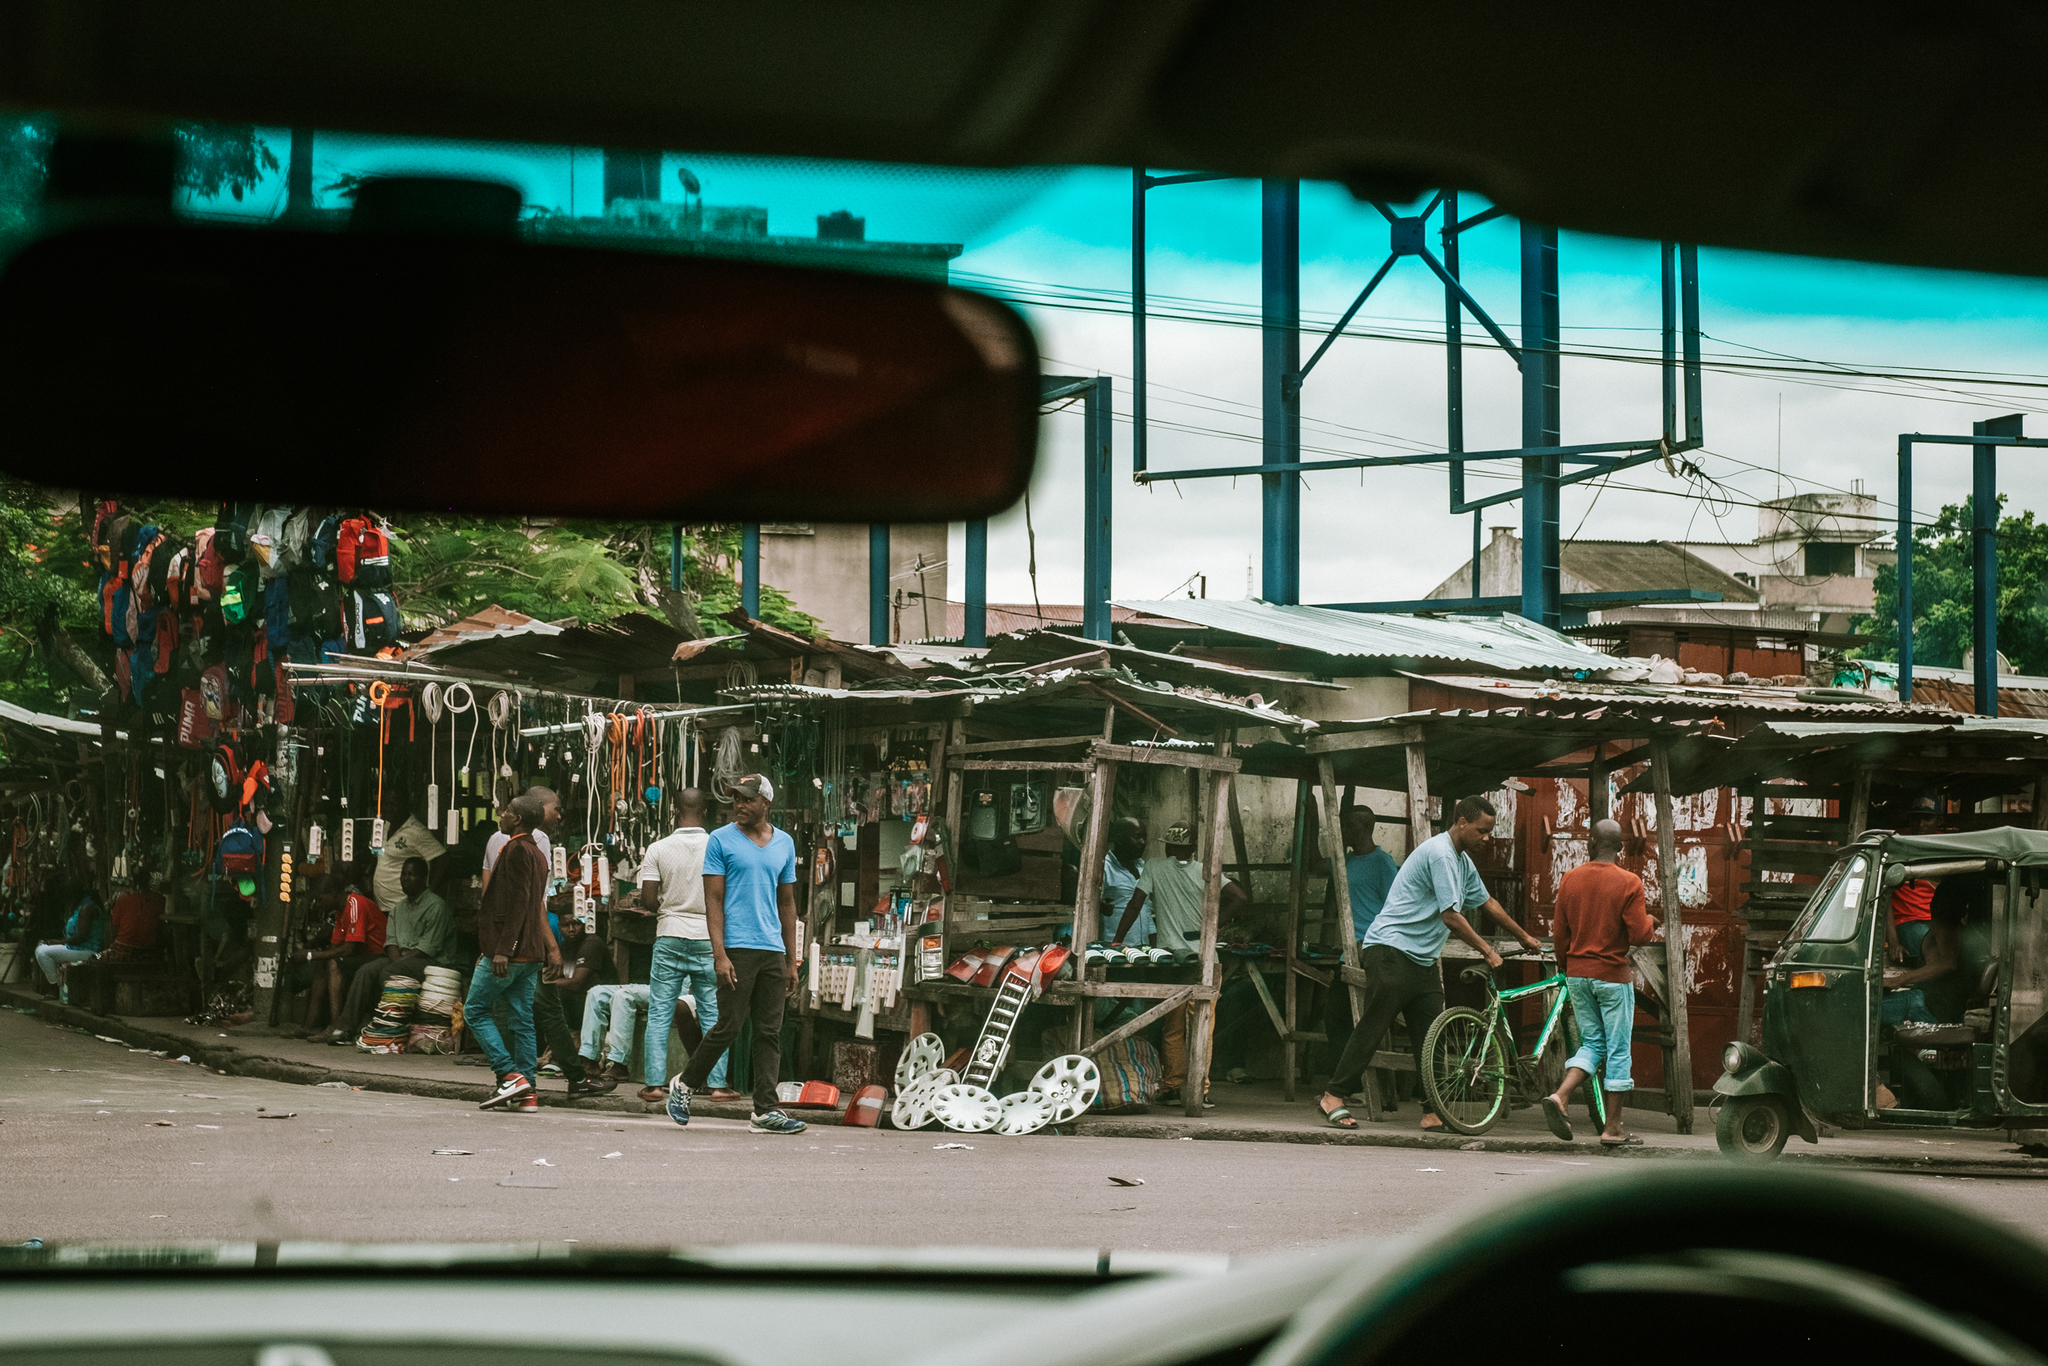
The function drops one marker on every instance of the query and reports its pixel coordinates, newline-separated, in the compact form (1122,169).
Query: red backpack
(362,554)
(209,571)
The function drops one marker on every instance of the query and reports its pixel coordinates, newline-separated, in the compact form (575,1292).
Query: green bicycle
(1469,1058)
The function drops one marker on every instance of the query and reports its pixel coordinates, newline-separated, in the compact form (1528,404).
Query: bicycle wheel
(1465,1073)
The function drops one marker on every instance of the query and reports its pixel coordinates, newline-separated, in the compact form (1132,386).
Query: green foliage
(445,567)
(711,566)
(213,157)
(46,582)
(1943,615)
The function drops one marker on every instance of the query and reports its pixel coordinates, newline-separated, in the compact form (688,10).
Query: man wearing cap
(1171,888)
(750,917)
(1912,901)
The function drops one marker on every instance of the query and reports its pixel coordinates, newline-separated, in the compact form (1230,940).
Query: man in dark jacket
(513,943)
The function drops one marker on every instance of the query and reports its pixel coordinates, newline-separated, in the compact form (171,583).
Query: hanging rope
(725,764)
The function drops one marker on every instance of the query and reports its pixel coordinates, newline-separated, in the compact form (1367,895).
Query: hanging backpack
(277,613)
(296,543)
(372,620)
(325,537)
(231,531)
(314,602)
(362,555)
(224,776)
(209,571)
(266,540)
(145,574)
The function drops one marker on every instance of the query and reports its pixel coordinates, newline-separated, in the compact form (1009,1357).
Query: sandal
(1632,1141)
(1437,1128)
(651,1094)
(1554,1116)
(724,1093)
(1339,1118)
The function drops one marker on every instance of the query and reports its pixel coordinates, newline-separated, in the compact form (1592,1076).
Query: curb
(238,1062)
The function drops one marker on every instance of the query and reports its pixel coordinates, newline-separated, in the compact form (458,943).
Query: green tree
(213,159)
(1943,613)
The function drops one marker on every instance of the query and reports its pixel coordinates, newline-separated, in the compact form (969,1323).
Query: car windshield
(391,874)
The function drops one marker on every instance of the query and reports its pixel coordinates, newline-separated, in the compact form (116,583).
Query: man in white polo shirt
(672,884)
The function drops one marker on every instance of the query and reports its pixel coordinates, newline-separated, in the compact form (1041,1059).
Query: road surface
(108,1144)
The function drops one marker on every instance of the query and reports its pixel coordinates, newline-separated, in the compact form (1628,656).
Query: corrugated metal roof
(1619,565)
(1683,697)
(1502,642)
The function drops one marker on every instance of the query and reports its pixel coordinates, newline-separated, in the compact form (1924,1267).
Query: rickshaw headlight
(1738,1058)
(1731,1057)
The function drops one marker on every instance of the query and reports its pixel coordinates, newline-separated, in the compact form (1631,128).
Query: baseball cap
(753,785)
(1180,832)
(1927,804)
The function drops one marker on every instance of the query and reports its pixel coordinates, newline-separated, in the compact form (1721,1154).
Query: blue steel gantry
(1543,456)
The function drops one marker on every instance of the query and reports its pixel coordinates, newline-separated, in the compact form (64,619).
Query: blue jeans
(516,988)
(609,1014)
(680,966)
(1911,936)
(1606,1014)
(1899,1007)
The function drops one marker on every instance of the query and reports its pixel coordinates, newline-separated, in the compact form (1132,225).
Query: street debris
(450,1152)
(201,1095)
(614,1154)
(206,1126)
(542,1162)
(941,1147)
(1475,1146)
(279,1114)
(184,1057)
(1429,1169)
(1126,1180)
(338,1085)
(163,1124)
(60,1069)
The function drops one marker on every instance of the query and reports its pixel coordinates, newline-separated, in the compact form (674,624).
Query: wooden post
(1295,879)
(2041,803)
(955,786)
(1599,791)
(1333,850)
(1859,802)
(1195,1088)
(1418,796)
(1677,1085)
(1088,889)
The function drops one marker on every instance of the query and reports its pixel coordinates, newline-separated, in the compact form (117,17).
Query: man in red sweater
(1600,912)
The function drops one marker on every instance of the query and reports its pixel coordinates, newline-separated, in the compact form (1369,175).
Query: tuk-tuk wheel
(1752,1128)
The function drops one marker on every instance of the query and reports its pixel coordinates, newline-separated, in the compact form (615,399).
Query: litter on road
(1126,1180)
(450,1152)
(279,1114)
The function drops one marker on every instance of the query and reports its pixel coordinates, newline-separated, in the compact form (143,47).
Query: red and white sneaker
(511,1087)
(528,1104)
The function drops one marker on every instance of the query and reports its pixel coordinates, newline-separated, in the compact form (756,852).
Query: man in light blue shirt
(750,916)
(1431,895)
(1369,870)
(1121,868)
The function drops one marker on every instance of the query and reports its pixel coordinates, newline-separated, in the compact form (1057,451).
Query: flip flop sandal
(1339,1118)
(1632,1141)
(1554,1116)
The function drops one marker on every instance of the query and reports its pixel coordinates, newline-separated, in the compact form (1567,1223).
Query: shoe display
(511,1087)
(775,1122)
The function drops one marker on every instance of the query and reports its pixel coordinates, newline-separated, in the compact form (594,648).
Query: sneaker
(548,1069)
(528,1104)
(678,1101)
(511,1087)
(592,1086)
(775,1122)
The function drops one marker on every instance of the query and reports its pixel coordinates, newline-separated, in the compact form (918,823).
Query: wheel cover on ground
(1071,1082)
(967,1109)
(913,1107)
(921,1057)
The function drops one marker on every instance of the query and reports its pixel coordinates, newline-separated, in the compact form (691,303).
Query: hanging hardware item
(430,703)
(455,701)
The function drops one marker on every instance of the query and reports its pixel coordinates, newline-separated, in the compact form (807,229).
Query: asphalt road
(106,1144)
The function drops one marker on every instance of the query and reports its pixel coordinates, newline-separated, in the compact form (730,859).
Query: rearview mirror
(435,371)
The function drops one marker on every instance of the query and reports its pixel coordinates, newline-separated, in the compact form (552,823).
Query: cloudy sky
(1782,412)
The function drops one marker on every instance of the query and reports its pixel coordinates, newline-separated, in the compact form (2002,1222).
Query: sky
(1057,241)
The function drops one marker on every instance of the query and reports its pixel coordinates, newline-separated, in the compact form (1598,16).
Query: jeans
(762,992)
(609,1014)
(1901,1006)
(1911,936)
(1606,1015)
(682,967)
(51,957)
(515,989)
(553,1027)
(1395,985)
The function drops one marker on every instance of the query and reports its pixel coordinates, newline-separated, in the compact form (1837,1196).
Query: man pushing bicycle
(1435,889)
(1600,912)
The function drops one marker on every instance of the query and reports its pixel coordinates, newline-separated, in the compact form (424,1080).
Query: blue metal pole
(750,569)
(1666,257)
(878,584)
(1138,188)
(675,558)
(1540,426)
(1280,319)
(975,631)
(1984,554)
(1096,509)
(1689,308)
(1905,568)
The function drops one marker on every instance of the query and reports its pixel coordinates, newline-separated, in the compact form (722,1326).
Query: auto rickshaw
(1827,1048)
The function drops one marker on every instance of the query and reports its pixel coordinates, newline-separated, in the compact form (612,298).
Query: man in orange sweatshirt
(1600,912)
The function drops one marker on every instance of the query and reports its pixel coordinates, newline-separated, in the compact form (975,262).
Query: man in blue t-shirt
(1435,890)
(750,913)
